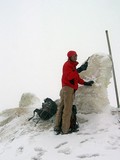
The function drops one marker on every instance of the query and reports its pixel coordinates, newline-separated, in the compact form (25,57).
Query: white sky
(35,36)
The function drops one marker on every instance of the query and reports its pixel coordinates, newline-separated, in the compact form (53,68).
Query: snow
(95,98)
(98,137)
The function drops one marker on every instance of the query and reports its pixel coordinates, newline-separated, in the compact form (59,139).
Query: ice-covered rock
(93,99)
(29,99)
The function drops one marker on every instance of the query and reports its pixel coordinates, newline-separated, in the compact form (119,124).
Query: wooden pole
(114,77)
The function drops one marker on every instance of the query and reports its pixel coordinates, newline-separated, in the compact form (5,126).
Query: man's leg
(58,118)
(68,94)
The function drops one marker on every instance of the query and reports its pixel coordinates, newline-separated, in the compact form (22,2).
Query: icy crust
(14,123)
(99,69)
(95,98)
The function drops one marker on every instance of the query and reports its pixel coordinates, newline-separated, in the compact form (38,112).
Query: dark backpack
(49,108)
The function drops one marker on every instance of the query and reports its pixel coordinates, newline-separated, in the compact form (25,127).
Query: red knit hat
(71,53)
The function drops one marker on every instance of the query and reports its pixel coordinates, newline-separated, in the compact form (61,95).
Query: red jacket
(70,75)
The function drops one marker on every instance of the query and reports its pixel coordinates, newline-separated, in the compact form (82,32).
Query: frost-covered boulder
(28,99)
(94,99)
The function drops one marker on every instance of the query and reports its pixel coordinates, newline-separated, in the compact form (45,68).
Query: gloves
(89,83)
(82,67)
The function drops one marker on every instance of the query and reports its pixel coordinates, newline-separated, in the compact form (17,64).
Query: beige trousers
(65,109)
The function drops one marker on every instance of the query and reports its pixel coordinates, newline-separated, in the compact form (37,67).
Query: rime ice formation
(28,99)
(94,99)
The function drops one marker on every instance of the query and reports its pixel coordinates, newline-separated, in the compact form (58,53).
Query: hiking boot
(57,131)
(76,128)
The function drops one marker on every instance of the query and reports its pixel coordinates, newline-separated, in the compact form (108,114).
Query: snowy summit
(98,137)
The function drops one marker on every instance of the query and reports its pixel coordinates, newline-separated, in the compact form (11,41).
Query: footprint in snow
(61,144)
(65,151)
(113,143)
(84,141)
(20,149)
(88,155)
(40,153)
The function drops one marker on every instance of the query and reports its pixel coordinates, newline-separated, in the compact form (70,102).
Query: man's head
(72,55)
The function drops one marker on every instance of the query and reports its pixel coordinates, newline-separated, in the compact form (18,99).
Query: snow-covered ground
(98,137)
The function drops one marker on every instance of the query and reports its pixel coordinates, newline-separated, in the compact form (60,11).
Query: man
(70,81)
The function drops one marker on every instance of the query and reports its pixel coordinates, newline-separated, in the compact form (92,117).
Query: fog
(35,37)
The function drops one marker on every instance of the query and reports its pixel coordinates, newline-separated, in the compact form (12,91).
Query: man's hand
(89,83)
